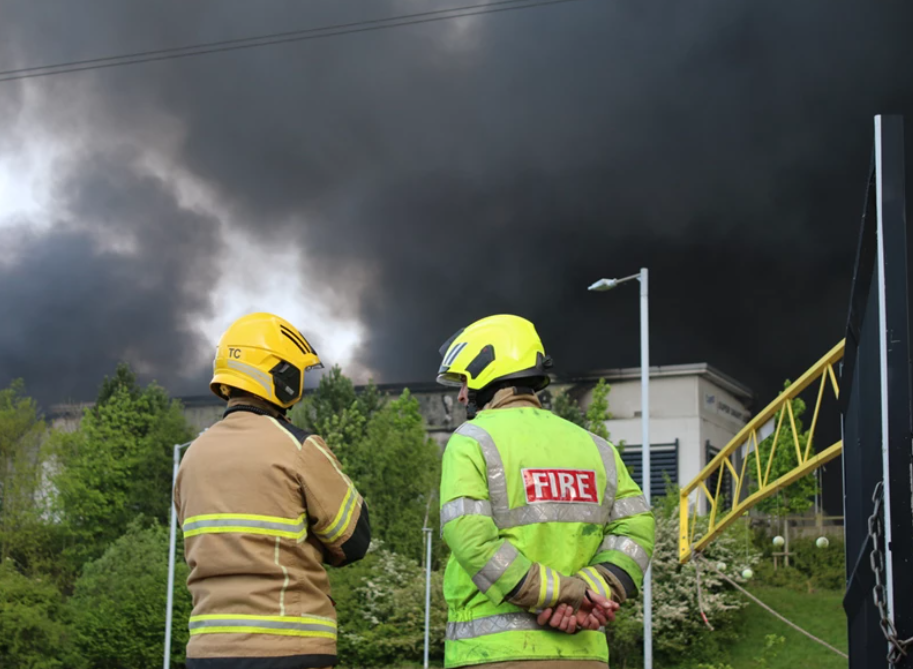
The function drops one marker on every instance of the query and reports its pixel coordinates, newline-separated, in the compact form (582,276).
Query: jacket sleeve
(629,534)
(337,514)
(495,564)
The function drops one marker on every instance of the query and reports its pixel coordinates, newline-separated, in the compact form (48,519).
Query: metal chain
(898,648)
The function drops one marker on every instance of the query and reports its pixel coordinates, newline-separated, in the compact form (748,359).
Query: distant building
(694,411)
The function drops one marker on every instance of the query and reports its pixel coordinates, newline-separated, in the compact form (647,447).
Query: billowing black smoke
(438,173)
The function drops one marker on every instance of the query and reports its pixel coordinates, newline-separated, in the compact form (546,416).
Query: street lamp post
(166,663)
(609,284)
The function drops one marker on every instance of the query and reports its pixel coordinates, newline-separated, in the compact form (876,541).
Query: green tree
(397,468)
(116,466)
(337,413)
(799,496)
(596,414)
(123,379)
(598,411)
(33,629)
(118,607)
(21,466)
(566,407)
(373,440)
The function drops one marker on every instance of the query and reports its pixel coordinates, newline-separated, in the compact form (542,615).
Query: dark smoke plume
(439,173)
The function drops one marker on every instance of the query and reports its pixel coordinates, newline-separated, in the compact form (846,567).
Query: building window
(663,463)
(726,486)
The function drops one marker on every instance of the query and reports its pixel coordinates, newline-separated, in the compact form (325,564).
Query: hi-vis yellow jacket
(263,507)
(522,488)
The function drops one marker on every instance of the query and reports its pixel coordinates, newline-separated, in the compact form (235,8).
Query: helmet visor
(451,379)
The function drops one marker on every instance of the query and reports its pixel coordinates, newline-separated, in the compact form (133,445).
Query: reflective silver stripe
(555,512)
(596,578)
(629,547)
(243,523)
(333,532)
(629,506)
(497,482)
(255,374)
(494,569)
(548,512)
(551,586)
(607,453)
(266,624)
(464,506)
(504,622)
(453,354)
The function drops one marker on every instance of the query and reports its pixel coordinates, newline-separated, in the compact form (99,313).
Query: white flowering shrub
(678,630)
(381,607)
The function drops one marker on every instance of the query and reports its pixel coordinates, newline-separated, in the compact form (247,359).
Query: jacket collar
(509,398)
(253,405)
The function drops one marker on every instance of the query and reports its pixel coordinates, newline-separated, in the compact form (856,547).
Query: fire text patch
(560,485)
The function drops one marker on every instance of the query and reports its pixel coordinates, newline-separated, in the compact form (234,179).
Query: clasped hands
(594,612)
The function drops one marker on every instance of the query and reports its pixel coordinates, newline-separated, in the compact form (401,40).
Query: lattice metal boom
(746,442)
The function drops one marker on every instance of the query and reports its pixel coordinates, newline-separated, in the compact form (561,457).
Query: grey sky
(383,189)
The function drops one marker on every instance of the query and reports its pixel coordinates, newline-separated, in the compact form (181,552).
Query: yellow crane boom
(746,442)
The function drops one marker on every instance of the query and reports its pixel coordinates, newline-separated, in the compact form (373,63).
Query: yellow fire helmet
(496,348)
(266,356)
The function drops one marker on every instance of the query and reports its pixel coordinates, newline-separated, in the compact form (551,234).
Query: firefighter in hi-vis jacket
(263,506)
(543,520)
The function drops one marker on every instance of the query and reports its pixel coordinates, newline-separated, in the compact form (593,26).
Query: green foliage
(380,604)
(399,496)
(372,440)
(33,631)
(566,407)
(598,411)
(811,568)
(799,496)
(124,379)
(679,632)
(338,414)
(116,466)
(118,607)
(21,466)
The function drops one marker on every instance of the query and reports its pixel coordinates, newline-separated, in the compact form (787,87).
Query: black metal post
(877,415)
(897,449)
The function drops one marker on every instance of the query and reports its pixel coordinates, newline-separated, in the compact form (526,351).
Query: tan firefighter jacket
(263,506)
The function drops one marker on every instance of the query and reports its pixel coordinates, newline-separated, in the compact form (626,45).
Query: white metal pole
(645,453)
(883,355)
(427,531)
(171,550)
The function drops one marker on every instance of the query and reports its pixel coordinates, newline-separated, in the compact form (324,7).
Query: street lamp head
(603,285)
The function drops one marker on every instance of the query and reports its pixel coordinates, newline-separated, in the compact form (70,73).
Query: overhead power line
(274,38)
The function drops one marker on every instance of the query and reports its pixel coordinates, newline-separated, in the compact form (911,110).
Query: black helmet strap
(479,398)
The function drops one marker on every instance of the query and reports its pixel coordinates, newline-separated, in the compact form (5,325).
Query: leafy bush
(381,608)
(679,632)
(33,632)
(811,568)
(118,607)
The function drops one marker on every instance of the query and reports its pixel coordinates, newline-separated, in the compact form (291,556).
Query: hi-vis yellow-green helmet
(497,348)
(266,356)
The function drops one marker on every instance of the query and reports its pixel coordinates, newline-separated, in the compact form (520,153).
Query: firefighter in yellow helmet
(264,506)
(548,532)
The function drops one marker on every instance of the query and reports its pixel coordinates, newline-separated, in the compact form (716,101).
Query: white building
(695,410)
